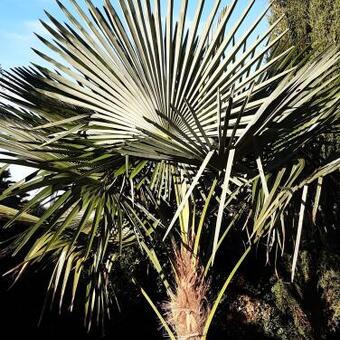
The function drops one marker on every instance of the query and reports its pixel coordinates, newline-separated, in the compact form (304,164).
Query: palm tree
(144,122)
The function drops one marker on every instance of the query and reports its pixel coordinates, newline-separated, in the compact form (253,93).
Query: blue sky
(18,20)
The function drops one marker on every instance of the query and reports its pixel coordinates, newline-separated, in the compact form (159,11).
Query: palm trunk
(187,307)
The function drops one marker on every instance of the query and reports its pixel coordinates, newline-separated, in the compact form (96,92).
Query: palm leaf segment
(132,94)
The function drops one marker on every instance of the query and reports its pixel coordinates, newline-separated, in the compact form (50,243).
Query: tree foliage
(15,201)
(312,24)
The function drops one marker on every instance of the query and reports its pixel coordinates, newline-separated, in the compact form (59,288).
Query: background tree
(15,201)
(313,24)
